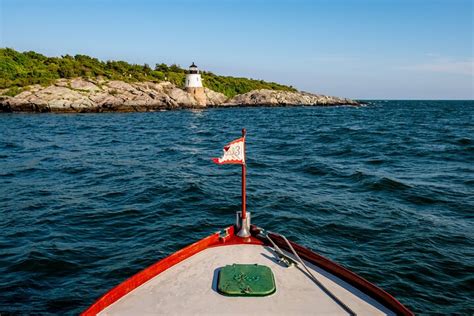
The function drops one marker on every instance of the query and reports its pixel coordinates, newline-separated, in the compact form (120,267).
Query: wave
(387,184)
(45,262)
(317,170)
(465,141)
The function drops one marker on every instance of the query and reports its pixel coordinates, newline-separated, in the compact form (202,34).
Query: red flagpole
(244,198)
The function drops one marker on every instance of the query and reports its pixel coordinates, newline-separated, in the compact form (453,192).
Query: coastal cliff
(101,95)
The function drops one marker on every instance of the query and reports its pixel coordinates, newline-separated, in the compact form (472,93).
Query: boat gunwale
(162,265)
(217,240)
(339,271)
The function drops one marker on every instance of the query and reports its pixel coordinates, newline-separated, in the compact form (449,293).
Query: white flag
(234,153)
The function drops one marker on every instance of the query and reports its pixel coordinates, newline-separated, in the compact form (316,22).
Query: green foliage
(13,91)
(22,69)
(161,67)
(231,86)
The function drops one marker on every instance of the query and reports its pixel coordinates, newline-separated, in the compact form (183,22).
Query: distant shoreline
(32,82)
(79,95)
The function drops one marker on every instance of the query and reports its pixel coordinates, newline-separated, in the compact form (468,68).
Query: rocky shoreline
(99,95)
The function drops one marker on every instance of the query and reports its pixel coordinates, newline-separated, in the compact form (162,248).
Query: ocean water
(387,190)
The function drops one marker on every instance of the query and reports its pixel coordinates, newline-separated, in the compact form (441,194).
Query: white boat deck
(190,288)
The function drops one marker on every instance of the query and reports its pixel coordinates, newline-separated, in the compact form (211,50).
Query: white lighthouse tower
(193,77)
(193,84)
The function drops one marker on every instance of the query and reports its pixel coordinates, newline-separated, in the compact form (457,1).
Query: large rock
(84,85)
(214,98)
(183,98)
(279,98)
(53,98)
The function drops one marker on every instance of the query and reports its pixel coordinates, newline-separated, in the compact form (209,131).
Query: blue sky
(388,49)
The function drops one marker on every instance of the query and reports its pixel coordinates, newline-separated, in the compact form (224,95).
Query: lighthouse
(193,85)
(193,77)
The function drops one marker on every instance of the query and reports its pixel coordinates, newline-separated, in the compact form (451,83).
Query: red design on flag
(234,153)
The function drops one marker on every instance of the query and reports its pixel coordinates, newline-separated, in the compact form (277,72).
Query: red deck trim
(344,274)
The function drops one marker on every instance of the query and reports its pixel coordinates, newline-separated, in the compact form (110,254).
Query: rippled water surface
(387,190)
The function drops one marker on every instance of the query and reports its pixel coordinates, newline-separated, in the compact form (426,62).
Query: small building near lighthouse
(193,84)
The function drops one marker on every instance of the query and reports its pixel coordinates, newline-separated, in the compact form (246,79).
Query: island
(31,82)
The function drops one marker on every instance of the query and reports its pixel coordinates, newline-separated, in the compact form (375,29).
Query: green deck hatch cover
(246,280)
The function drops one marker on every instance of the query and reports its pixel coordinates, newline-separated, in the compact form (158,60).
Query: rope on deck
(315,280)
